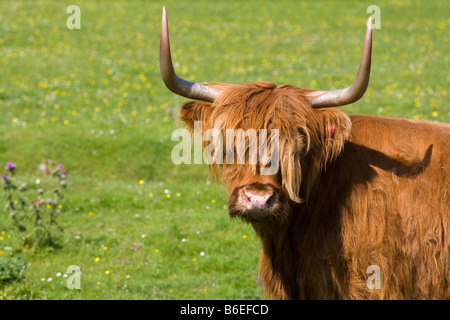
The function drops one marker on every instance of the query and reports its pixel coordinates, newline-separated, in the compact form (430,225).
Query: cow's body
(383,202)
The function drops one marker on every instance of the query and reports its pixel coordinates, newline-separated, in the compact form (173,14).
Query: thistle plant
(37,220)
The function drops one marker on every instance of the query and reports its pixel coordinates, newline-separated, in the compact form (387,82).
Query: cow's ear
(334,130)
(195,111)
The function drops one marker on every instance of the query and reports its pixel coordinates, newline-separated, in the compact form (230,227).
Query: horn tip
(164,23)
(369,23)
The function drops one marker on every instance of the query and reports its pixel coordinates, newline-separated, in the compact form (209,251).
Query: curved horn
(191,90)
(335,98)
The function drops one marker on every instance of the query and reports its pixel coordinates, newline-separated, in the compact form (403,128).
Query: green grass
(92,99)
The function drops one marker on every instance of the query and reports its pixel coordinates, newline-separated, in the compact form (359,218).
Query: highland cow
(351,192)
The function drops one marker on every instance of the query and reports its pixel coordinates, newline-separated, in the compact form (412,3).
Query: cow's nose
(256,198)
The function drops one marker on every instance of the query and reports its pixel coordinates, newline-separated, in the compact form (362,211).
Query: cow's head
(308,135)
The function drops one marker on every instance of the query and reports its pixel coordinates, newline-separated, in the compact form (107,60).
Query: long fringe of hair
(302,136)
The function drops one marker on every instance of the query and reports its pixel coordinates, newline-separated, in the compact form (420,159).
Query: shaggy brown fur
(374,193)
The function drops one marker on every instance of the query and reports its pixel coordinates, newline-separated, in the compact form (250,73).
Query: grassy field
(92,100)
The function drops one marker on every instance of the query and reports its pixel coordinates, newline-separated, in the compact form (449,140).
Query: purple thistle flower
(60,166)
(4,176)
(10,166)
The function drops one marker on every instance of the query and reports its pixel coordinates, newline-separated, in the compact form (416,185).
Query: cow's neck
(301,251)
(278,260)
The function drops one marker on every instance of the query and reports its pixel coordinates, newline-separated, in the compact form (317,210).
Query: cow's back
(384,202)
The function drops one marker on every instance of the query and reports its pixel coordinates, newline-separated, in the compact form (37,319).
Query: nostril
(248,194)
(271,201)
(245,198)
